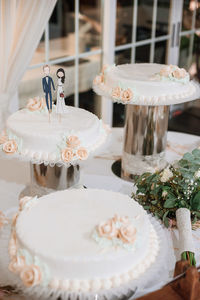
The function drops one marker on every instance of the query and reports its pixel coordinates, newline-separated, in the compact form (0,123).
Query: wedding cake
(81,241)
(145,84)
(30,136)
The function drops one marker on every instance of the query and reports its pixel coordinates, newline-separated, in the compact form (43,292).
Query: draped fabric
(22,23)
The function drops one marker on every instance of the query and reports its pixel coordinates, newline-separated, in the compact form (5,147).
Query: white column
(176,11)
(108,45)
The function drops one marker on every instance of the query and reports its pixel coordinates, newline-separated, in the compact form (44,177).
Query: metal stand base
(145,137)
(47,179)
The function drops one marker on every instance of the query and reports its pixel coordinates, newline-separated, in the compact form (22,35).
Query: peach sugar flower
(31,275)
(166,71)
(127,95)
(12,247)
(107,229)
(35,104)
(73,142)
(67,154)
(116,92)
(10,147)
(120,219)
(104,68)
(98,79)
(3,138)
(179,73)
(17,264)
(127,233)
(82,153)
(14,219)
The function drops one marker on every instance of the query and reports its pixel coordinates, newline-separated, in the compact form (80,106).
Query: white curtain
(22,23)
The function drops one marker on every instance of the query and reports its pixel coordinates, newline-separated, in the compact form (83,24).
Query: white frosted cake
(81,240)
(145,84)
(30,136)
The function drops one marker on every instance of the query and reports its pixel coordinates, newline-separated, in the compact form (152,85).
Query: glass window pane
(90,29)
(160,52)
(162,20)
(188,8)
(124,22)
(123,57)
(195,61)
(142,54)
(61,30)
(39,54)
(184,51)
(144,19)
(88,68)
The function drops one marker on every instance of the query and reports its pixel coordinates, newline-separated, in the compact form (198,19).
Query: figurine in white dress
(60,105)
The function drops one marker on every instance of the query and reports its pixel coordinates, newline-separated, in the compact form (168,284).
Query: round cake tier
(66,142)
(58,233)
(146,84)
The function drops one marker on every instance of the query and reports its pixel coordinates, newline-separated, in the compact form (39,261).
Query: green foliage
(181,189)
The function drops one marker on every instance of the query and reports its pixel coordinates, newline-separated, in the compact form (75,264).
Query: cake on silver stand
(147,90)
(54,149)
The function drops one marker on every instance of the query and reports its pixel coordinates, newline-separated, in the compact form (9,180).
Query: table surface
(97,173)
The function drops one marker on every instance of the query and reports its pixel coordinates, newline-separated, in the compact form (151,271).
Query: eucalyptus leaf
(195,202)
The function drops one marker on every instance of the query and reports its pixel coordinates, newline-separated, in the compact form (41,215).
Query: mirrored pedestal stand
(47,179)
(145,138)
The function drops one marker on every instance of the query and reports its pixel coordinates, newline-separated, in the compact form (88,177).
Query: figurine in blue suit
(47,84)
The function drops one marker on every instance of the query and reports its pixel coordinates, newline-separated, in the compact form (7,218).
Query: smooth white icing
(57,229)
(147,88)
(41,139)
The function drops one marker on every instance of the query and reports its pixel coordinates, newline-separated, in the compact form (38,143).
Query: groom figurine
(47,83)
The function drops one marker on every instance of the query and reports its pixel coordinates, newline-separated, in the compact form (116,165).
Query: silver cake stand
(145,133)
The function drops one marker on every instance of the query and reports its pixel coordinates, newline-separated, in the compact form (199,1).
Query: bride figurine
(60,105)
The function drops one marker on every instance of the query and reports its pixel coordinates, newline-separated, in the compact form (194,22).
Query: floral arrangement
(9,143)
(178,185)
(31,271)
(117,231)
(70,149)
(174,73)
(36,104)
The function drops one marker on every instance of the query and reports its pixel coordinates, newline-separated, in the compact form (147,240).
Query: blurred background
(159,31)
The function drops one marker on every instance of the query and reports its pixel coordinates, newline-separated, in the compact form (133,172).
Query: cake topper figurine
(47,84)
(60,105)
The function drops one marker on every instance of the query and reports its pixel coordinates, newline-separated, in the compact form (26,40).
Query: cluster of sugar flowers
(125,95)
(100,78)
(30,275)
(9,146)
(73,150)
(117,227)
(36,104)
(173,71)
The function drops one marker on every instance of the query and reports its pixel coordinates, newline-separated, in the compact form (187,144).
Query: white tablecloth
(97,173)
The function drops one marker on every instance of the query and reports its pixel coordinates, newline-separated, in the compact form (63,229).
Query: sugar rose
(10,147)
(12,247)
(121,219)
(73,142)
(116,92)
(31,275)
(3,138)
(35,104)
(17,264)
(179,73)
(14,219)
(127,95)
(107,229)
(67,154)
(166,71)
(98,79)
(127,233)
(82,153)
